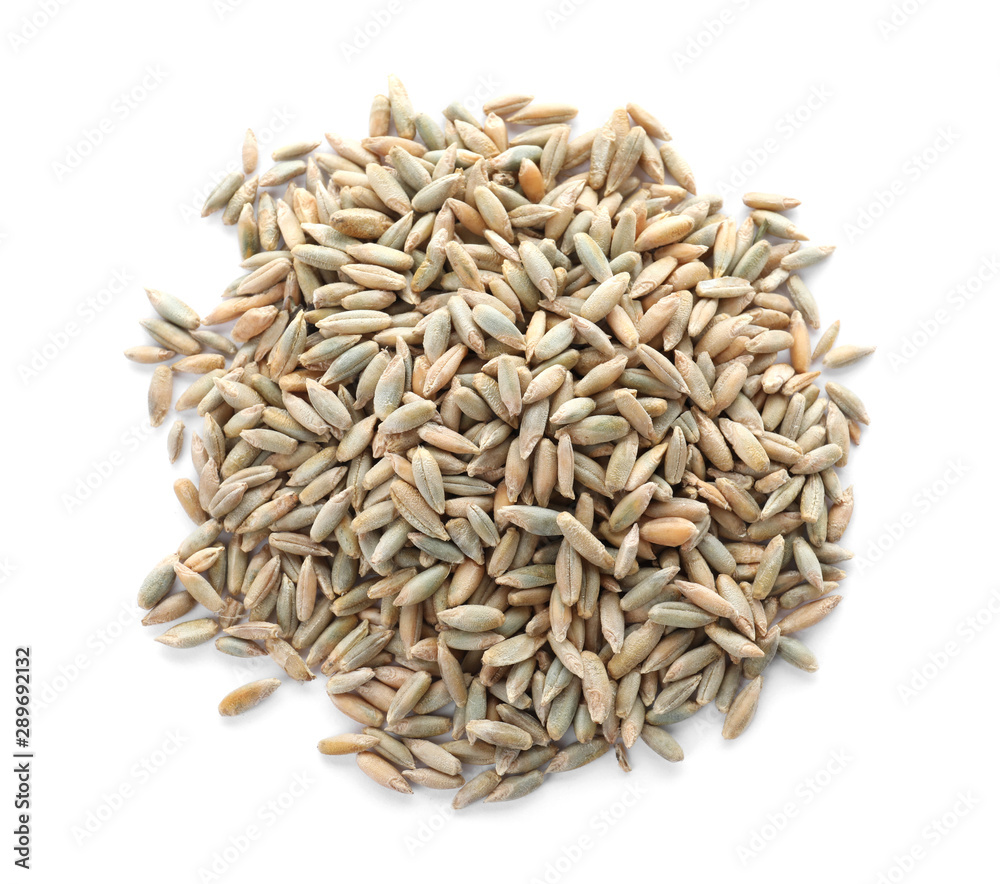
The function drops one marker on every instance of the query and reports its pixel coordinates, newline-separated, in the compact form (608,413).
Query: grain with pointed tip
(247,696)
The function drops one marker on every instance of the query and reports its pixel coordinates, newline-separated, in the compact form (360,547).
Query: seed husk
(743,709)
(796,653)
(515,787)
(223,192)
(476,789)
(190,633)
(247,696)
(661,743)
(577,755)
(382,772)
(346,744)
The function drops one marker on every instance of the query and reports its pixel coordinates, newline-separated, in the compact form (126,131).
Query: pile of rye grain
(505,424)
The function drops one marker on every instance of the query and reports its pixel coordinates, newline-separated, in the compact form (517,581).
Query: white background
(880,116)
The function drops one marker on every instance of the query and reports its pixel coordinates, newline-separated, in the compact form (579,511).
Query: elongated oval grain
(249,695)
(346,744)
(742,710)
